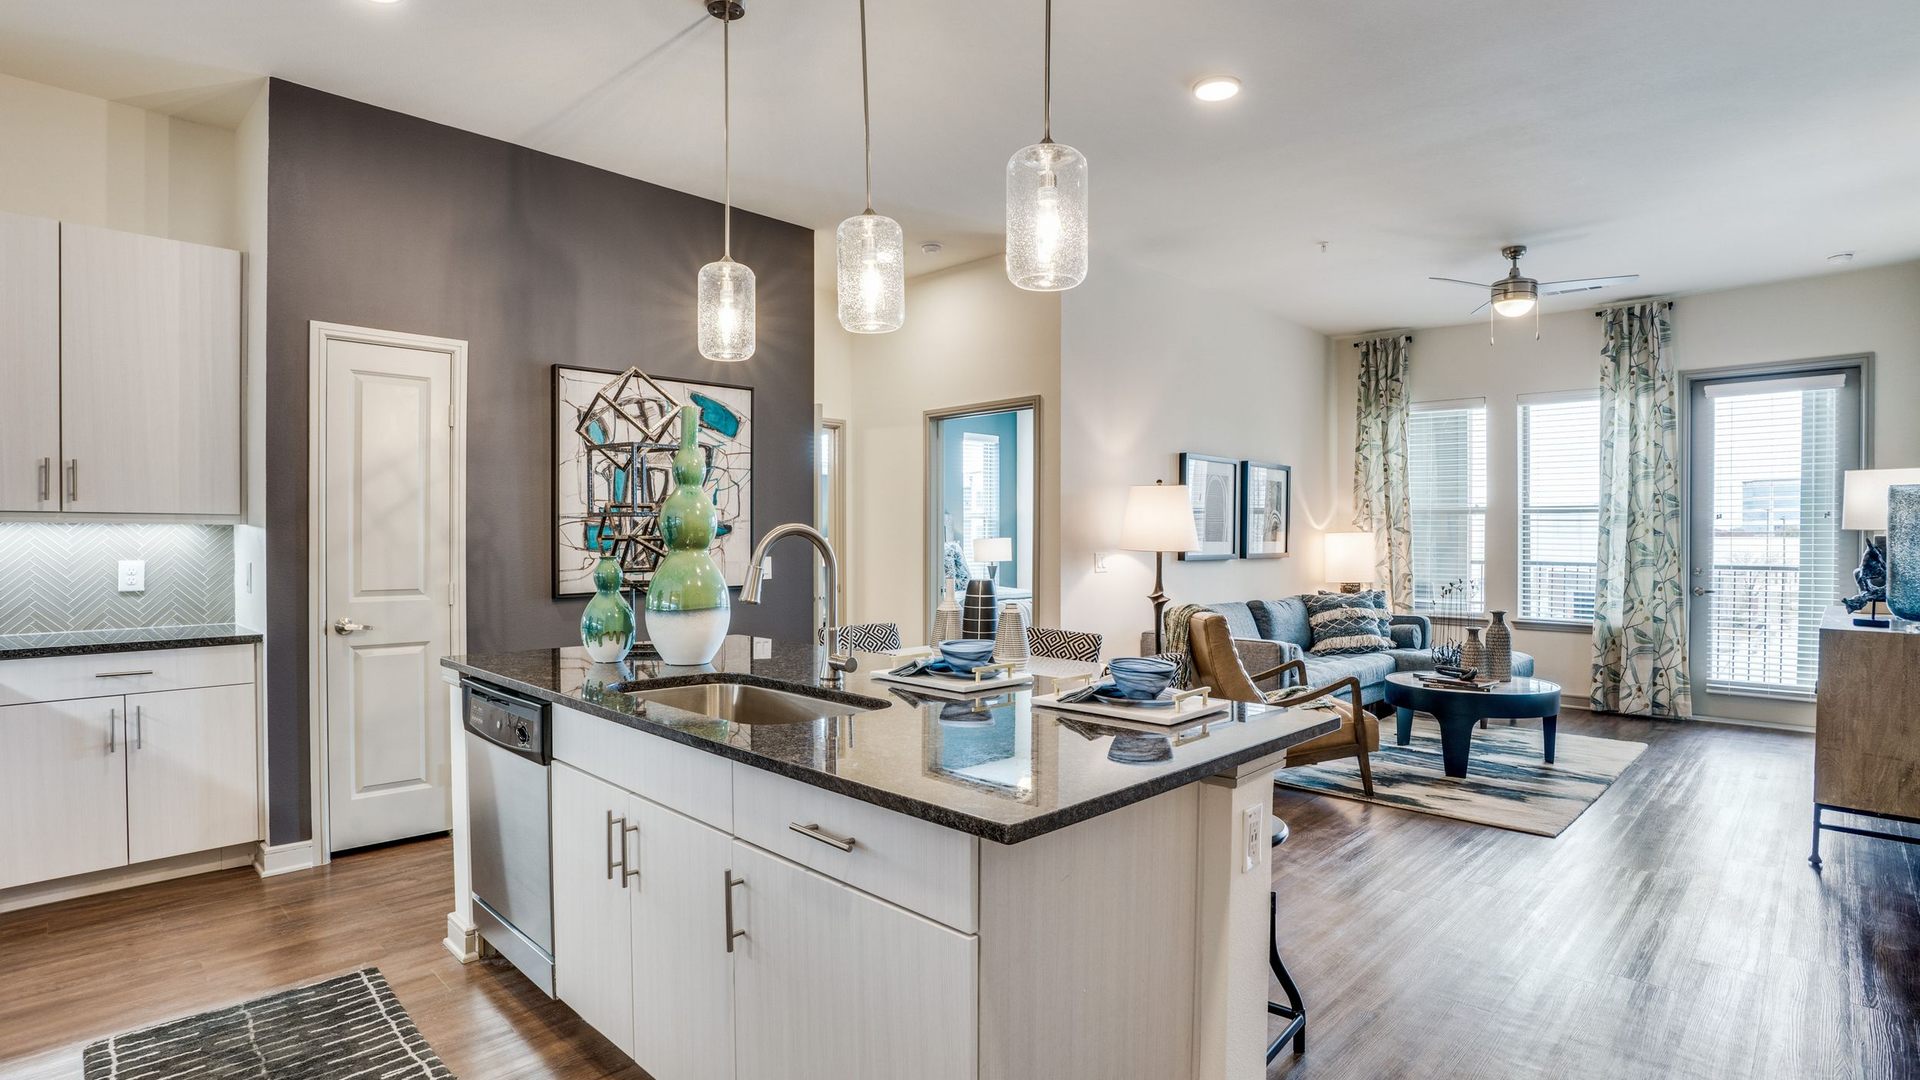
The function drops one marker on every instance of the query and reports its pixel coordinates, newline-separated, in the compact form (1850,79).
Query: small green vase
(606,627)
(688,606)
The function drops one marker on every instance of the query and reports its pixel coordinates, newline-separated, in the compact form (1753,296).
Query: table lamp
(1863,508)
(1159,518)
(1349,559)
(993,550)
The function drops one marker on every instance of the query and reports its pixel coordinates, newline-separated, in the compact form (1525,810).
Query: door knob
(1699,590)
(344,625)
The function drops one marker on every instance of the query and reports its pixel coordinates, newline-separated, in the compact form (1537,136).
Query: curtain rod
(1629,303)
(1357,344)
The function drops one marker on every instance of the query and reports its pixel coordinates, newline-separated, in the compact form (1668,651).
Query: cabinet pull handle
(121,674)
(729,881)
(814,832)
(113,718)
(73,479)
(139,729)
(616,849)
(629,872)
(46,478)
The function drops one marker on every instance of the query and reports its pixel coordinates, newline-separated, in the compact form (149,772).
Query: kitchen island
(885,884)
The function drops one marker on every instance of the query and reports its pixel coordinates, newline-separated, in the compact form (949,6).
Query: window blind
(1559,506)
(1447,487)
(1775,535)
(980,493)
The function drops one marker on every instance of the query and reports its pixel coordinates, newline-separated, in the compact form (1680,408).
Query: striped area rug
(350,1026)
(1507,786)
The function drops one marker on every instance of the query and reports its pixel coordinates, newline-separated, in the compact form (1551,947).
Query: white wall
(970,338)
(1151,366)
(1865,311)
(96,162)
(250,227)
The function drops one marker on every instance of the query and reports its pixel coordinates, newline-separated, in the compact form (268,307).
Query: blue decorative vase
(1903,551)
(688,606)
(606,627)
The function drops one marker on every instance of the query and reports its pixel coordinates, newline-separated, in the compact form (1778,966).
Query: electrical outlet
(133,575)
(1254,821)
(763,648)
(1099,562)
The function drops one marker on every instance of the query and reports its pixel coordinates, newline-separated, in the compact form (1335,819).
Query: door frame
(1790,716)
(836,522)
(319,335)
(930,553)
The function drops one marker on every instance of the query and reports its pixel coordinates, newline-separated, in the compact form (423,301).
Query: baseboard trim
(462,941)
(125,877)
(272,860)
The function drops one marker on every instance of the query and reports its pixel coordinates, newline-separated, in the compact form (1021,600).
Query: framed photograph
(1214,485)
(580,477)
(1265,509)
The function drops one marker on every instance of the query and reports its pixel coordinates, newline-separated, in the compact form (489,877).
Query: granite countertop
(141,639)
(993,766)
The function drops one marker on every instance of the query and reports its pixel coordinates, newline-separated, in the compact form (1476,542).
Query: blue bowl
(965,654)
(1141,676)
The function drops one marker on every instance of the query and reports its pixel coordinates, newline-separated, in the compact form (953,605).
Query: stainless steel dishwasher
(508,839)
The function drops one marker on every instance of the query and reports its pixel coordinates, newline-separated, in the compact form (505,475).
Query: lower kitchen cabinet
(63,790)
(833,984)
(592,903)
(682,972)
(192,765)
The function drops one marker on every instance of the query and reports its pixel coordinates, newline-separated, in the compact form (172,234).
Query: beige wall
(84,159)
(1151,367)
(970,338)
(1865,311)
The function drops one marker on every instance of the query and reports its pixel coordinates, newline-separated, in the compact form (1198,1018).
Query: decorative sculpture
(688,606)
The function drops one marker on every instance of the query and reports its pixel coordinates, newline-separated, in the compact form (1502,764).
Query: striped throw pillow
(1344,624)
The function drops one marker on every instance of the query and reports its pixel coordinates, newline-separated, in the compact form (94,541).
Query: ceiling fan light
(1514,306)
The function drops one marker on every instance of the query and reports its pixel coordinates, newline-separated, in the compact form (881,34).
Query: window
(1447,483)
(1559,505)
(979,493)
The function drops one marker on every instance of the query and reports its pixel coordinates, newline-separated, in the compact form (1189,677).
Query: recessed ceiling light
(1216,88)
(1840,257)
(931,247)
(383,1)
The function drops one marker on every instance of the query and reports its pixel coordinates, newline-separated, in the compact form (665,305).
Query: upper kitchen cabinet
(149,375)
(29,363)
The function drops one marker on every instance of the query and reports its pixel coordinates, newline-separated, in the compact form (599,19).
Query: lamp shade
(1863,504)
(1349,556)
(1159,517)
(993,549)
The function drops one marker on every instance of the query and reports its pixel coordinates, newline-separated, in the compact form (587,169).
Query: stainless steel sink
(741,704)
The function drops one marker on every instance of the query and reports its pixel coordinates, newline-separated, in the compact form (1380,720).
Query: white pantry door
(388,570)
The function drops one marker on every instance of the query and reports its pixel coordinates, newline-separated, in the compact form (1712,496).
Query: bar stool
(1294,1011)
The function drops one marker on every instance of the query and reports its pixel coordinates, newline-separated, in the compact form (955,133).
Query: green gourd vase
(606,627)
(688,606)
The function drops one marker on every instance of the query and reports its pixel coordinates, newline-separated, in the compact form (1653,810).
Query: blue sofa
(1268,633)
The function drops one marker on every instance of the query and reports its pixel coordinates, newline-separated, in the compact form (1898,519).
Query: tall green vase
(688,606)
(606,627)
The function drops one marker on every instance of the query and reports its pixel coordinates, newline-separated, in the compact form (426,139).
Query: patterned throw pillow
(1347,623)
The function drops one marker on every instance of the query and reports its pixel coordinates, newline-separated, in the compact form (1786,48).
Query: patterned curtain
(1380,465)
(1639,608)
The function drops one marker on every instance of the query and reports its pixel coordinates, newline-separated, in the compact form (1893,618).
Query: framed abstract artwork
(1213,483)
(1266,490)
(583,478)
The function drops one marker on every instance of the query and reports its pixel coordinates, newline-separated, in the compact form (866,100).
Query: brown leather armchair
(1216,663)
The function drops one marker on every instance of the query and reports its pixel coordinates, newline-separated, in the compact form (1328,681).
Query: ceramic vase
(606,627)
(979,619)
(1499,647)
(1010,641)
(688,606)
(1903,550)
(946,618)
(1473,655)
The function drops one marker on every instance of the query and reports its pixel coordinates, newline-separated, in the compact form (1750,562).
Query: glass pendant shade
(1047,217)
(873,274)
(725,311)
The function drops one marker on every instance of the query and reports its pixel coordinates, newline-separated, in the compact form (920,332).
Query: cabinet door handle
(121,674)
(113,720)
(814,832)
(73,479)
(616,848)
(46,478)
(629,871)
(139,729)
(728,882)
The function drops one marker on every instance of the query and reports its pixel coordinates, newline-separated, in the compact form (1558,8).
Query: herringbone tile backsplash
(63,576)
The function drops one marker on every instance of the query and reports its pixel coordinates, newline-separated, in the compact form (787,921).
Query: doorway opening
(983,469)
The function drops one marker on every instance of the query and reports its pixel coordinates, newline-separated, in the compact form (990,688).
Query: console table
(1866,755)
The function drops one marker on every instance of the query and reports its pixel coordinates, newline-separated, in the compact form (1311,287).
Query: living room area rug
(350,1026)
(1507,786)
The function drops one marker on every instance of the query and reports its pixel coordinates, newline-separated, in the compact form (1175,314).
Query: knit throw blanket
(1179,648)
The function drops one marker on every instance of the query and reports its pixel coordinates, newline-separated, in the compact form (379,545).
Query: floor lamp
(1159,519)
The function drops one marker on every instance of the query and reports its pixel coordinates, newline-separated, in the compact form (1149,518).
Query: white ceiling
(1700,143)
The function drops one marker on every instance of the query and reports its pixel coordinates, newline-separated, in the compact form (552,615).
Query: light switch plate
(766,568)
(133,575)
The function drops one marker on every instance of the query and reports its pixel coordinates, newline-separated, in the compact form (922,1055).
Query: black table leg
(1548,728)
(1295,1010)
(1456,736)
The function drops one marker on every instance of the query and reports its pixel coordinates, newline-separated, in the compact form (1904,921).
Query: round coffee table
(1458,710)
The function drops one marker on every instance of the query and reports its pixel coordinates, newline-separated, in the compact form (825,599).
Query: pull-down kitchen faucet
(838,663)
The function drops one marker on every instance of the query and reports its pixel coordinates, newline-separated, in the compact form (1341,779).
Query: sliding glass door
(1766,554)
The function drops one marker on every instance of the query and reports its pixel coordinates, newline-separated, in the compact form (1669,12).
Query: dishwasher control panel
(506,719)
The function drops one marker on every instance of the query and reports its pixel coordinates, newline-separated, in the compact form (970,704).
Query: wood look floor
(1673,931)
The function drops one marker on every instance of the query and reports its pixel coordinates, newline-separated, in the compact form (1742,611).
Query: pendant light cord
(726,128)
(866,104)
(1046,82)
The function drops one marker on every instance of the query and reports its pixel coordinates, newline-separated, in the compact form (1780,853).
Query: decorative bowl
(1141,676)
(965,654)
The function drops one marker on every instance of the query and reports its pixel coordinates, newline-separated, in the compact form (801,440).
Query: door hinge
(449,415)
(450,594)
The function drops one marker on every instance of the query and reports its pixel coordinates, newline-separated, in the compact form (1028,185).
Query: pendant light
(725,304)
(871,248)
(1047,203)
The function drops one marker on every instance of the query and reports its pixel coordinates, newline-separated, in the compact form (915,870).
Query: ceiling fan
(1515,295)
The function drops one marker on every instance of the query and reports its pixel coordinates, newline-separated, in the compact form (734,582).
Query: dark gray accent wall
(385,220)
